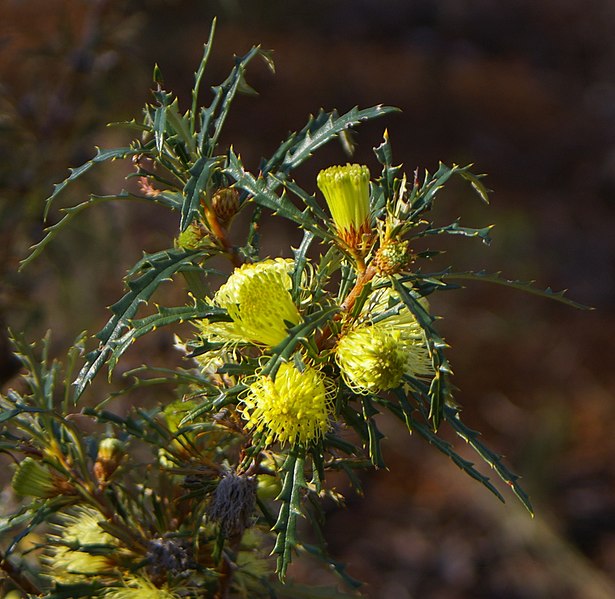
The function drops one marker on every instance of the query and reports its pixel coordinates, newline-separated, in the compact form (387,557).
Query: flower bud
(392,257)
(110,454)
(34,479)
(225,204)
(346,190)
(192,237)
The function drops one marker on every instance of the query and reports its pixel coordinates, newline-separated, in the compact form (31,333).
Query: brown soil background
(524,90)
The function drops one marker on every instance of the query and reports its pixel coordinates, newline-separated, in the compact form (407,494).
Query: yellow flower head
(375,356)
(257,298)
(34,479)
(346,189)
(81,535)
(293,408)
(138,587)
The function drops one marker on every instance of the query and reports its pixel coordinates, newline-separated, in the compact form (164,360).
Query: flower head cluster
(292,408)
(258,300)
(346,190)
(375,356)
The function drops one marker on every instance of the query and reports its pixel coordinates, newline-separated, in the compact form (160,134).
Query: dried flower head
(232,505)
(346,190)
(258,300)
(168,556)
(293,408)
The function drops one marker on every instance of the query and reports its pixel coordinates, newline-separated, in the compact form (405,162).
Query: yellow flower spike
(375,356)
(257,298)
(346,190)
(34,479)
(138,587)
(81,529)
(293,408)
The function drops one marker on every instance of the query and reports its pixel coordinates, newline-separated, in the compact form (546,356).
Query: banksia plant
(288,360)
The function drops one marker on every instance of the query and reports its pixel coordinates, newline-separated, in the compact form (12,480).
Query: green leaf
(263,193)
(440,390)
(494,460)
(527,286)
(374,436)
(290,497)
(297,334)
(198,76)
(422,198)
(214,116)
(318,131)
(164,317)
(404,411)
(164,199)
(456,229)
(101,156)
(200,175)
(161,267)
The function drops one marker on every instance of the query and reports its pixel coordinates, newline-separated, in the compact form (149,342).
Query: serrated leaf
(75,173)
(440,390)
(290,498)
(51,232)
(404,412)
(297,334)
(456,229)
(200,175)
(198,76)
(527,286)
(374,436)
(263,194)
(214,116)
(422,198)
(318,131)
(162,267)
(494,460)
(164,317)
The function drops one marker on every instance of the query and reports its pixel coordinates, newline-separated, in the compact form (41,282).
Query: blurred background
(524,90)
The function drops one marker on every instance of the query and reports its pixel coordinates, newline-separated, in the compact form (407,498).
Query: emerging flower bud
(392,257)
(293,408)
(346,189)
(110,453)
(33,479)
(192,237)
(225,203)
(257,298)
